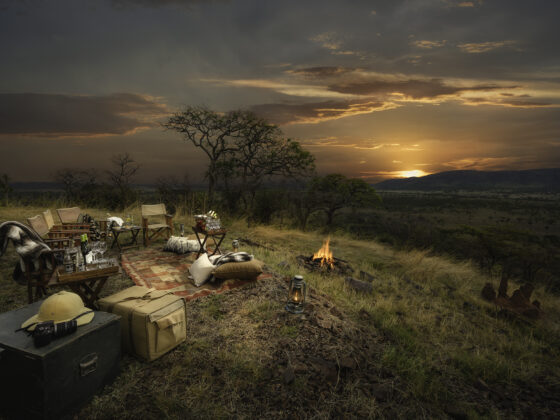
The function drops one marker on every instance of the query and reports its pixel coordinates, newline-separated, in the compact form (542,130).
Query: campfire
(324,255)
(323,260)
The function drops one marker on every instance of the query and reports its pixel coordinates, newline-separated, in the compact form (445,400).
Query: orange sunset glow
(413,173)
(370,88)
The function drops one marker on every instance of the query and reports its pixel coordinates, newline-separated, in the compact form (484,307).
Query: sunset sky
(374,89)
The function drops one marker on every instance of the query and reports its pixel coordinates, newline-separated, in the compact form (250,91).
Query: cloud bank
(56,115)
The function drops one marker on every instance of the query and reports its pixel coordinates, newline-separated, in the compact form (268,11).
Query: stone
(382,392)
(329,372)
(336,313)
(481,385)
(456,413)
(365,315)
(358,285)
(366,276)
(289,375)
(348,363)
(324,323)
(488,293)
(283,264)
(299,367)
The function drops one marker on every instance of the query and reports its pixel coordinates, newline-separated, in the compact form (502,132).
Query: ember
(324,255)
(323,260)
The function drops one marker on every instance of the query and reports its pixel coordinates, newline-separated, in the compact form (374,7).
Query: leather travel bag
(153,322)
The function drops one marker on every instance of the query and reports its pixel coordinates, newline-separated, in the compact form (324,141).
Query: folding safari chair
(163,225)
(55,239)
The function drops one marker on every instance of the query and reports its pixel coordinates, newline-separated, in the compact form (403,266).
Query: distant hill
(543,180)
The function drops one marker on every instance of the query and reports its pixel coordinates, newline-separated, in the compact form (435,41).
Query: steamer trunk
(55,380)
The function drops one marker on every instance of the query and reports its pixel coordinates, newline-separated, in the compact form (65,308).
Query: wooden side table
(134,231)
(220,234)
(88,284)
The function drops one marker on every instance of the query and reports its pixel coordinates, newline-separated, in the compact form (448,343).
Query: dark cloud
(120,4)
(317,111)
(516,103)
(416,89)
(325,71)
(69,115)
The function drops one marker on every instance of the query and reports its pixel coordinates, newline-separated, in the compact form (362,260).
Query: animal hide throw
(232,257)
(28,244)
(181,245)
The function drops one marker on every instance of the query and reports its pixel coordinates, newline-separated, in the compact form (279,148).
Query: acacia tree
(335,191)
(121,176)
(243,149)
(260,152)
(77,183)
(210,131)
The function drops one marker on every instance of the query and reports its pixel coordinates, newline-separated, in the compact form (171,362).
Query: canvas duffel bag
(152,321)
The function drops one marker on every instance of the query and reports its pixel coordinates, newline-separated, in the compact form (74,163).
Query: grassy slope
(449,347)
(444,337)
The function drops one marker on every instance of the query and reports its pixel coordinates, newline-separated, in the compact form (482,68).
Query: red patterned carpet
(168,271)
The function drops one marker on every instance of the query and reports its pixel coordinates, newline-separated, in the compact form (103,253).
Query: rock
(502,289)
(382,392)
(324,323)
(283,264)
(469,306)
(336,313)
(366,276)
(488,293)
(289,375)
(519,299)
(348,363)
(329,372)
(481,385)
(456,413)
(358,285)
(299,367)
(364,314)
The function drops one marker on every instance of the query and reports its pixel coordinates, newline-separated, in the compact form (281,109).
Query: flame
(325,255)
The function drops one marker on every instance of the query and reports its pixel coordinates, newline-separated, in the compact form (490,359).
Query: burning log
(323,260)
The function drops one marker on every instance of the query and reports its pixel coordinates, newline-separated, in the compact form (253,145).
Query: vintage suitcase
(152,321)
(54,380)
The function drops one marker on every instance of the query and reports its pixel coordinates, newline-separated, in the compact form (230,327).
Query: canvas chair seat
(158,226)
(69,215)
(69,219)
(155,222)
(56,239)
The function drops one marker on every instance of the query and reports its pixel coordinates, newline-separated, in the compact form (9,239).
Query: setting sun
(410,174)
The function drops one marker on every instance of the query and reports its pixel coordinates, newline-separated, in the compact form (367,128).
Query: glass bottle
(84,246)
(68,264)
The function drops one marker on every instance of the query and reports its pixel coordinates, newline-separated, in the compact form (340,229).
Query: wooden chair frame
(150,211)
(69,219)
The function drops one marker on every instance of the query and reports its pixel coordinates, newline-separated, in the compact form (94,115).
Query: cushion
(246,270)
(182,245)
(201,270)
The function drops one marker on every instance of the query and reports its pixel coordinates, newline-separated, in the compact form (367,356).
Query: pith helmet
(60,307)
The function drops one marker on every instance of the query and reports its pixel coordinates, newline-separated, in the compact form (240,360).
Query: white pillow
(201,270)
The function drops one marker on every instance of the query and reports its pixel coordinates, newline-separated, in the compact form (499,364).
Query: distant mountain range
(543,180)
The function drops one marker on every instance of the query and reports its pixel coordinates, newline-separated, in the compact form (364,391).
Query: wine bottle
(84,246)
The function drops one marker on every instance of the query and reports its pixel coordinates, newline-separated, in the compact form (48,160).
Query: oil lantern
(296,295)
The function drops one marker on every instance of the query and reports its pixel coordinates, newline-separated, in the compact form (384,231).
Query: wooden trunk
(55,380)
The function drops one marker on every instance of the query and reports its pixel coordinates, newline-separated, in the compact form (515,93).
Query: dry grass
(439,337)
(444,336)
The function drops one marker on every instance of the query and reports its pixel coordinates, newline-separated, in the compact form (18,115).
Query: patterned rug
(168,271)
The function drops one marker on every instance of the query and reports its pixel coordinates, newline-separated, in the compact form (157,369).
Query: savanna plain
(422,344)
